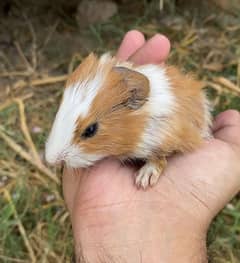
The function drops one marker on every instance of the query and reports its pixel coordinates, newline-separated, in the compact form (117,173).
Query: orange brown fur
(188,120)
(119,129)
(85,70)
(88,69)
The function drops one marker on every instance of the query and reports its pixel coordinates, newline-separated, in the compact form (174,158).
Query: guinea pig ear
(137,85)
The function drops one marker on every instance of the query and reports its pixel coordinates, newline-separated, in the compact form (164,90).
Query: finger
(226,126)
(154,51)
(131,42)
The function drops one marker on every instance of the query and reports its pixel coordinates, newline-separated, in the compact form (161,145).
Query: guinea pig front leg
(149,174)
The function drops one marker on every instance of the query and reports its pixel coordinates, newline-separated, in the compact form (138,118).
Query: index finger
(155,51)
(131,42)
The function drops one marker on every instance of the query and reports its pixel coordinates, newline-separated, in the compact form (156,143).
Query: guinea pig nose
(60,160)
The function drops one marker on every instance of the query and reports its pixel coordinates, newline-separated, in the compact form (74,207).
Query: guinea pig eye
(90,131)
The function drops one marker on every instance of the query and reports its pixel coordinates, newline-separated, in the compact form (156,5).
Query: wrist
(183,251)
(102,241)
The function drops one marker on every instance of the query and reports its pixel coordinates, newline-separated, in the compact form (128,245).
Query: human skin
(113,221)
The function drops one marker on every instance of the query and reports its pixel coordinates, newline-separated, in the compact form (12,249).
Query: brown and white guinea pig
(114,108)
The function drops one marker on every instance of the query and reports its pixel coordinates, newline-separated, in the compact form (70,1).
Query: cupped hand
(108,213)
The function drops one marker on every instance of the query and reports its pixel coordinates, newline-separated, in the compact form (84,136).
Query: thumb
(70,183)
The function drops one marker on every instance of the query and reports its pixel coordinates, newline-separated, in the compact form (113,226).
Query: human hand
(167,223)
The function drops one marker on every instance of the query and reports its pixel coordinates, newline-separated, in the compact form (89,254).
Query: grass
(35,225)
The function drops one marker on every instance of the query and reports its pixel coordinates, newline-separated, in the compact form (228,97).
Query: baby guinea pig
(114,108)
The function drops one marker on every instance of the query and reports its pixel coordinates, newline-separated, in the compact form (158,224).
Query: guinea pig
(118,109)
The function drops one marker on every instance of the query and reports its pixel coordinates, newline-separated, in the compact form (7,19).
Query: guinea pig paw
(148,175)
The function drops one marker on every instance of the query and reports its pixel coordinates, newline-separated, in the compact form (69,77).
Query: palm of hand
(194,184)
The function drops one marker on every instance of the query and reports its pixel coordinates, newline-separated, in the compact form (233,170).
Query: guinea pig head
(101,114)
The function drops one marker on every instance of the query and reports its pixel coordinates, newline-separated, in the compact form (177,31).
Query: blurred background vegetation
(40,43)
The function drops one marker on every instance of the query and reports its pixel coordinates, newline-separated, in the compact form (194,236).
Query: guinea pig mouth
(77,158)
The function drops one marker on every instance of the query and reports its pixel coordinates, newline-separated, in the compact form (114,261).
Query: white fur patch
(160,105)
(76,102)
(75,157)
